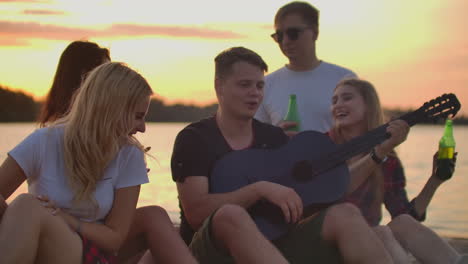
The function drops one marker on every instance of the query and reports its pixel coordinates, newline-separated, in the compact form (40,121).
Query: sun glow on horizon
(393,44)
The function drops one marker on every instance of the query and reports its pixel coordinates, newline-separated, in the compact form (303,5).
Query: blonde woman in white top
(84,174)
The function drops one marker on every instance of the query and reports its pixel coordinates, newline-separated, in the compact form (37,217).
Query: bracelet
(377,159)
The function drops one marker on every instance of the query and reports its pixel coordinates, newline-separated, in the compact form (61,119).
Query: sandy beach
(460,244)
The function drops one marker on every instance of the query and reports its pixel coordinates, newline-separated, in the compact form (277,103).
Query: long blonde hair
(375,118)
(98,125)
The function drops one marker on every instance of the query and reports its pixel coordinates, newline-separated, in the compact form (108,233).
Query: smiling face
(348,108)
(241,91)
(138,122)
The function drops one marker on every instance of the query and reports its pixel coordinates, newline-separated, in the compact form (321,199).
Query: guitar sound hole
(303,171)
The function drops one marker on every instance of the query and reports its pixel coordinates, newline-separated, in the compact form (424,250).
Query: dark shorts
(302,244)
(94,255)
(204,248)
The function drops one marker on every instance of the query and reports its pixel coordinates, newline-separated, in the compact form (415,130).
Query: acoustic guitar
(311,164)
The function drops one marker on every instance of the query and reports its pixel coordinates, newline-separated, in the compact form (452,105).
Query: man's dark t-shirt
(199,145)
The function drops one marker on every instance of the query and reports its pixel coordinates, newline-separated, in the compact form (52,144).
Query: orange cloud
(5,42)
(28,30)
(42,12)
(23,1)
(173,31)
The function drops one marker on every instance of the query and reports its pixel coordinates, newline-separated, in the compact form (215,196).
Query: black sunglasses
(292,33)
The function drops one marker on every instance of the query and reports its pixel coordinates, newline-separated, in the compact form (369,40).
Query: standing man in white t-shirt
(311,79)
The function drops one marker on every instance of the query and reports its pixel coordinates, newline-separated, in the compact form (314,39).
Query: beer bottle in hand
(293,114)
(445,164)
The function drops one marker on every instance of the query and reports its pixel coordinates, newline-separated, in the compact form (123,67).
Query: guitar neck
(359,145)
(438,108)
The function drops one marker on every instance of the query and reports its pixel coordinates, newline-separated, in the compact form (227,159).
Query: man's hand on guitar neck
(398,130)
(284,197)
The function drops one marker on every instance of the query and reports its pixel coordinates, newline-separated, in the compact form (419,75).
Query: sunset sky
(412,51)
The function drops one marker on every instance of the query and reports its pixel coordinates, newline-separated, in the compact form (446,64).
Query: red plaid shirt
(94,255)
(395,197)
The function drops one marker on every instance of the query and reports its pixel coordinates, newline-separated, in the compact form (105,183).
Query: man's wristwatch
(377,159)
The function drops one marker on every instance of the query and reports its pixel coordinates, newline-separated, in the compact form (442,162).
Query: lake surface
(447,213)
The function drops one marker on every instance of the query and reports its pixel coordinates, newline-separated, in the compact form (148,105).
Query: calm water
(447,214)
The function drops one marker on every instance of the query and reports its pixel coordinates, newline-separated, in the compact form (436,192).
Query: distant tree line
(160,112)
(17,106)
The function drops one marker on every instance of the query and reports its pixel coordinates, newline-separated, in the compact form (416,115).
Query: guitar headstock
(438,108)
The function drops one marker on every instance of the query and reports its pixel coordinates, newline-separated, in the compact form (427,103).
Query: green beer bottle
(445,166)
(293,114)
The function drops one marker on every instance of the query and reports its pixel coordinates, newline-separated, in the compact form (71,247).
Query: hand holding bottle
(288,127)
(291,123)
(446,153)
(451,166)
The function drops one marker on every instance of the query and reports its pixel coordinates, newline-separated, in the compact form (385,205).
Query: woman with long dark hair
(77,60)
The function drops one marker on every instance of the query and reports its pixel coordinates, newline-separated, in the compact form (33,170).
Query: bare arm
(359,171)
(11,177)
(363,167)
(421,202)
(111,235)
(198,204)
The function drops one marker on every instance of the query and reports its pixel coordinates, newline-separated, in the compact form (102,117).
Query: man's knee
(343,212)
(341,218)
(227,223)
(229,218)
(230,215)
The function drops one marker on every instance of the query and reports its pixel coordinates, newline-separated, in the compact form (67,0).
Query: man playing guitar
(223,233)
